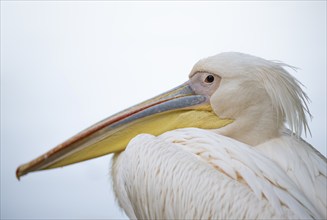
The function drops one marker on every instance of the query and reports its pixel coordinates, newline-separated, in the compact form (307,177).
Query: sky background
(67,65)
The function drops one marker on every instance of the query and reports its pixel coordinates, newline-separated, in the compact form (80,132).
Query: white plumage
(193,173)
(252,168)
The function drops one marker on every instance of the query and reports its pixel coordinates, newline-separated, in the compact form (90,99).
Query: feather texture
(175,176)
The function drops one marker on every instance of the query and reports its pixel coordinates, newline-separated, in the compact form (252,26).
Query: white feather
(304,165)
(181,173)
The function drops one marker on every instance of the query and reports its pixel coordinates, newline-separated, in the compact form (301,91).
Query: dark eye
(209,79)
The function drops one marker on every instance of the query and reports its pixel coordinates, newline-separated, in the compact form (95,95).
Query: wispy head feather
(287,96)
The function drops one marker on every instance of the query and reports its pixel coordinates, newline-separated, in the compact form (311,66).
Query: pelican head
(260,95)
(237,95)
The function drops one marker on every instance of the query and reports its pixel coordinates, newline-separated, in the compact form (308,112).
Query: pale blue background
(67,65)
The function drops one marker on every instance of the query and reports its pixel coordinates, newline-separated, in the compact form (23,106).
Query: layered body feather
(195,173)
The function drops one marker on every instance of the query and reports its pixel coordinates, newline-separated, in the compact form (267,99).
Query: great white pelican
(225,144)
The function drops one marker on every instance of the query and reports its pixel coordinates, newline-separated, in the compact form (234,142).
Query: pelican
(225,144)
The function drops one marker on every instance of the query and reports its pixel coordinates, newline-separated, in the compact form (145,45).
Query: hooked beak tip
(18,174)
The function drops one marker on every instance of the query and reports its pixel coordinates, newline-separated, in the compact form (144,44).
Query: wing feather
(304,165)
(175,175)
(259,172)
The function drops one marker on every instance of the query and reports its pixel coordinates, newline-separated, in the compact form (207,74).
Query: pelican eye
(209,79)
